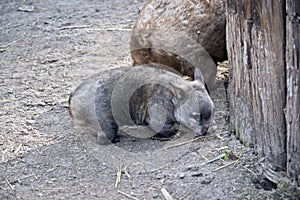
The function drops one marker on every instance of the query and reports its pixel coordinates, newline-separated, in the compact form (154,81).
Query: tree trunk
(293,88)
(257,89)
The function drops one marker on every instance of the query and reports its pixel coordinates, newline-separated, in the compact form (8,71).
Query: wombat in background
(182,34)
(145,95)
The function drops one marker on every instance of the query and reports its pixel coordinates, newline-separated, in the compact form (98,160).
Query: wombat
(145,95)
(182,34)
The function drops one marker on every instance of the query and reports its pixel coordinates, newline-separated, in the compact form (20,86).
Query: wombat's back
(202,20)
(182,34)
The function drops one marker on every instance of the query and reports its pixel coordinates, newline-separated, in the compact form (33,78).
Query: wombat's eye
(199,87)
(196,87)
(196,115)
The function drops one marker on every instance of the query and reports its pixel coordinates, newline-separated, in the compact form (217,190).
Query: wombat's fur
(144,95)
(182,34)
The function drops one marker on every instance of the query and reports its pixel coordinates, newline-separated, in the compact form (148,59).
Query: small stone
(41,103)
(26,8)
(159,176)
(155,195)
(199,174)
(181,176)
(192,168)
(206,181)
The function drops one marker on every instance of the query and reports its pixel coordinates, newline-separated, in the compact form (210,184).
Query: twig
(8,45)
(166,194)
(182,143)
(51,170)
(18,148)
(119,173)
(219,157)
(109,29)
(204,157)
(127,195)
(74,27)
(88,28)
(25,177)
(252,172)
(152,188)
(189,193)
(10,185)
(127,174)
(233,162)
(221,148)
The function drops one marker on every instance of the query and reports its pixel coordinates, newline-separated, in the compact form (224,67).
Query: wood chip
(127,195)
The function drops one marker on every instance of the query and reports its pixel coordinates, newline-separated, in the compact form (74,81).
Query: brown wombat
(144,95)
(182,34)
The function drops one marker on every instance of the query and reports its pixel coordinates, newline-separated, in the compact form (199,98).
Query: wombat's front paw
(105,139)
(168,130)
(213,127)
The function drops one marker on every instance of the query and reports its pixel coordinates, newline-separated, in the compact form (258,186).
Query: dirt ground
(46,49)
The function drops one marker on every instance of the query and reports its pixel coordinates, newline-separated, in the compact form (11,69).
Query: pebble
(155,195)
(197,174)
(206,181)
(181,176)
(26,8)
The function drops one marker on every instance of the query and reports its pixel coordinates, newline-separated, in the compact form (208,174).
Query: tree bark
(293,88)
(257,88)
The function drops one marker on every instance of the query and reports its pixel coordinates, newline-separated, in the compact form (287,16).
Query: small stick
(127,174)
(109,29)
(204,157)
(87,27)
(219,157)
(182,143)
(8,45)
(119,173)
(151,188)
(233,162)
(166,194)
(18,148)
(10,185)
(127,195)
(25,177)
(252,172)
(221,148)
(51,170)
(73,27)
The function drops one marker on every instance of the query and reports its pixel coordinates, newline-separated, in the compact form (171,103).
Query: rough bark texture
(256,52)
(293,88)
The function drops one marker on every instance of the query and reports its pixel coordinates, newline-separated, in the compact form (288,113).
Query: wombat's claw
(178,135)
(116,139)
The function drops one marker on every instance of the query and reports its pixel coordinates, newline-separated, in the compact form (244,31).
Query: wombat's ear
(198,75)
(179,91)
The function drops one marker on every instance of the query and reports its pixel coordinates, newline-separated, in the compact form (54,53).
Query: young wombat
(145,95)
(182,34)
